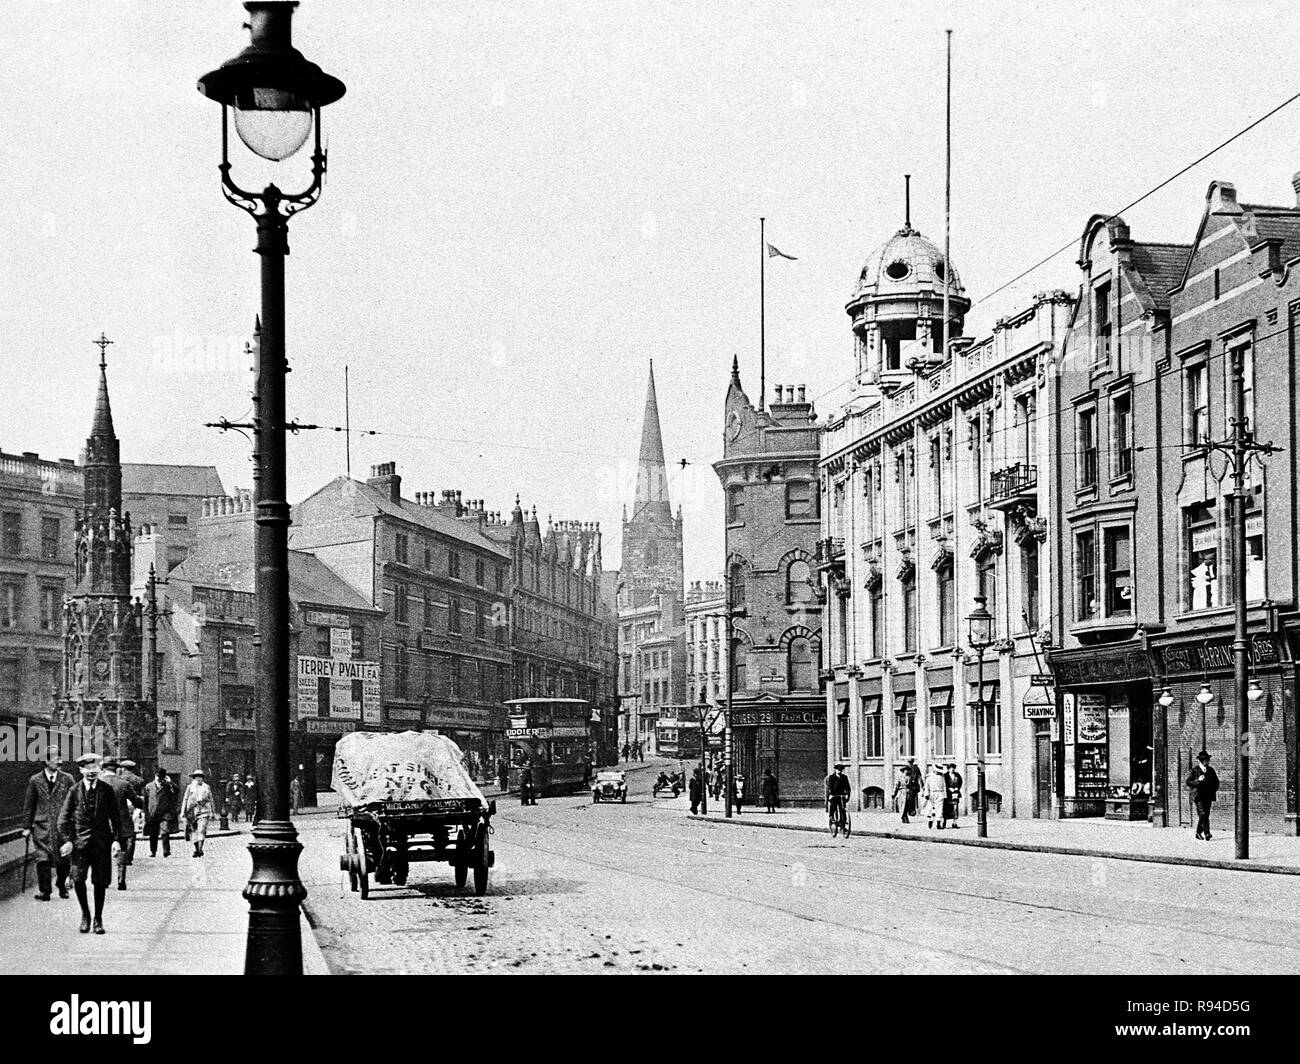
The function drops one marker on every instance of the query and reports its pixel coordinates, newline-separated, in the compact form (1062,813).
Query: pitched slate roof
(429,517)
(1161,268)
(225,564)
(1261,223)
(146,478)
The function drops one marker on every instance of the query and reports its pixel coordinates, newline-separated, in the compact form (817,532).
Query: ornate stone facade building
(936,486)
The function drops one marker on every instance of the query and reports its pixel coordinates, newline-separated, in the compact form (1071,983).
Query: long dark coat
(127,800)
(91,824)
(160,805)
(41,806)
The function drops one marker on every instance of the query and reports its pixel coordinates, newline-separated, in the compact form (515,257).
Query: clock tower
(101,623)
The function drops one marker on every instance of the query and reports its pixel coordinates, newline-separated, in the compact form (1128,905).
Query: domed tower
(897,309)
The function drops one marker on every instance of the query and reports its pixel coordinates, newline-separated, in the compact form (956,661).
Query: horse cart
(407,798)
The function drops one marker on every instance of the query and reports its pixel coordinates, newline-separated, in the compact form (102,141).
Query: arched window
(738,655)
(798,583)
(651,554)
(801,673)
(737,584)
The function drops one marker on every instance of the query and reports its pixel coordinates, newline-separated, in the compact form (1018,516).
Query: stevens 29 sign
(765,717)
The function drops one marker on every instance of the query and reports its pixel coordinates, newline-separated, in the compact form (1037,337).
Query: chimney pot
(803,388)
(1295,184)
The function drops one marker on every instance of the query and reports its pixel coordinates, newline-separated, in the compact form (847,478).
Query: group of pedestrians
(936,793)
(633,751)
(84,830)
(241,798)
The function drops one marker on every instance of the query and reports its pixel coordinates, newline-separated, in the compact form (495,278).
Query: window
(51,537)
(988,718)
(1196,404)
(842,731)
(1029,604)
(905,725)
(322,641)
(480,620)
(1254,548)
(1101,315)
(869,481)
(1121,419)
(1201,536)
(841,630)
(453,563)
(936,476)
(1085,569)
(178,520)
(171,732)
(873,739)
(50,598)
(11,533)
(738,665)
(800,499)
(735,506)
(358,642)
(480,572)
(10,683)
(947,618)
(798,583)
(11,603)
(402,673)
(426,599)
(453,678)
(875,606)
(400,547)
(229,661)
(1026,416)
(500,578)
(905,471)
(52,679)
(453,615)
(1118,551)
(909,614)
(737,584)
(801,670)
(428,559)
(976,447)
(1086,444)
(941,721)
(1247,355)
(401,604)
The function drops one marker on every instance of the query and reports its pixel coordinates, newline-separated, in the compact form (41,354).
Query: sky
(527,203)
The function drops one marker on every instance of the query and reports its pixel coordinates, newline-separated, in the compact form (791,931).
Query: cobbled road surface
(636,888)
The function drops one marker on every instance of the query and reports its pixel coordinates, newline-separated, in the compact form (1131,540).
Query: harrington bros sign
(1215,655)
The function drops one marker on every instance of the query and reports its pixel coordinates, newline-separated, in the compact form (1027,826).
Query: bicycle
(838,816)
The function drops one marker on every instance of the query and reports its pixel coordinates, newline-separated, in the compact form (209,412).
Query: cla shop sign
(77,1017)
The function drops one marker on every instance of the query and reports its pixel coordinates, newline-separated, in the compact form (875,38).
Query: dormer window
(1101,316)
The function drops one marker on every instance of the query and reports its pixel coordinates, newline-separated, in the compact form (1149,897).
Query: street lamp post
(276,96)
(704,754)
(980,636)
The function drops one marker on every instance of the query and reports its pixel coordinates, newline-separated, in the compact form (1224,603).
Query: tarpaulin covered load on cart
(400,767)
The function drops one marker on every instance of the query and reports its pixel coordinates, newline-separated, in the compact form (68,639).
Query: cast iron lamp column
(277,96)
(980,633)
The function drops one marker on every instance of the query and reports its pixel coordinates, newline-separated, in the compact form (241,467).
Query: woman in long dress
(935,790)
(196,808)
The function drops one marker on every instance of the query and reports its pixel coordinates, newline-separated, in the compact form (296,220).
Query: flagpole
(762,312)
(347,422)
(947,210)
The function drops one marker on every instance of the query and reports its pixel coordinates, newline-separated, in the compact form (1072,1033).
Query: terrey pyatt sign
(338,688)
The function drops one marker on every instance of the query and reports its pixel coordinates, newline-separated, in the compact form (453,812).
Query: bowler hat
(839,767)
(1204,755)
(110,762)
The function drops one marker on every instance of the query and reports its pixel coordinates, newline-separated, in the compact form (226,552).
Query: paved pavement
(640,887)
(1137,841)
(182,915)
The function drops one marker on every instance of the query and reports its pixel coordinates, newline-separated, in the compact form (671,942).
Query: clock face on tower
(733,425)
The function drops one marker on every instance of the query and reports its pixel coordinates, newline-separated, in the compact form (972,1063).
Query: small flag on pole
(773,252)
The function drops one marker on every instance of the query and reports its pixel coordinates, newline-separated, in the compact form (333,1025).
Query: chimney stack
(386,478)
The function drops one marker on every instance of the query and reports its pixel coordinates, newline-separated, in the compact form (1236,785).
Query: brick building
(170,497)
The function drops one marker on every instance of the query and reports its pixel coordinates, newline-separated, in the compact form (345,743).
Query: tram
(552,736)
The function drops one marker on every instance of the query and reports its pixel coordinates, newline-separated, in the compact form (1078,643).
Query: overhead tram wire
(1145,195)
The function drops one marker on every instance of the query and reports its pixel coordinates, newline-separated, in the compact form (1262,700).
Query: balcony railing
(1013,482)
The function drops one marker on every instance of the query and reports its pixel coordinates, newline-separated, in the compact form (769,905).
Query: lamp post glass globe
(980,624)
(272,123)
(1205,696)
(1254,692)
(1166,698)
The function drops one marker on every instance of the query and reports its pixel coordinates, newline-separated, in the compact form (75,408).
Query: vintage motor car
(609,787)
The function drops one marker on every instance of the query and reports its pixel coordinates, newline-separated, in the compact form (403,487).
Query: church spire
(102,458)
(652,471)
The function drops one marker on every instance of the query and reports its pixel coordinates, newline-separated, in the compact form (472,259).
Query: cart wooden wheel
(462,874)
(480,878)
(350,856)
(363,871)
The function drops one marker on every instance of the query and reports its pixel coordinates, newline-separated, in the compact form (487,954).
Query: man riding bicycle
(837,792)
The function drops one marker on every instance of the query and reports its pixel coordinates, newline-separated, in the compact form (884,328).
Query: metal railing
(1013,480)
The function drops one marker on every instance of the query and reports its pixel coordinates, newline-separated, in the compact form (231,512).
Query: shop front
(1107,746)
(786,736)
(479,732)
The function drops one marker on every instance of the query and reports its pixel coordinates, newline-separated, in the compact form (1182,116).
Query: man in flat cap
(89,823)
(45,794)
(127,801)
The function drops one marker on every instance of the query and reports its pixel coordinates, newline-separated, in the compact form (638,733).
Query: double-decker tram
(552,736)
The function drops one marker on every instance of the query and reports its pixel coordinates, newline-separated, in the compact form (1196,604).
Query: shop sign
(1216,655)
(405,713)
(1040,679)
(1097,667)
(330,727)
(328,620)
(763,717)
(1039,710)
(1091,719)
(1067,715)
(546,733)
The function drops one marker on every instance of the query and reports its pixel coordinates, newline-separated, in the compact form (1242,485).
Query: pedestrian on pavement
(503,774)
(586,770)
(89,823)
(295,793)
(234,797)
(719,781)
(738,791)
(160,808)
(952,802)
(127,800)
(935,791)
(838,788)
(1203,782)
(127,770)
(46,792)
(768,790)
(526,795)
(627,752)
(905,790)
(252,800)
(696,791)
(196,808)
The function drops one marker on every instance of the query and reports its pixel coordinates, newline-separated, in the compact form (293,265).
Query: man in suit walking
(128,798)
(160,812)
(1203,782)
(45,794)
(89,823)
